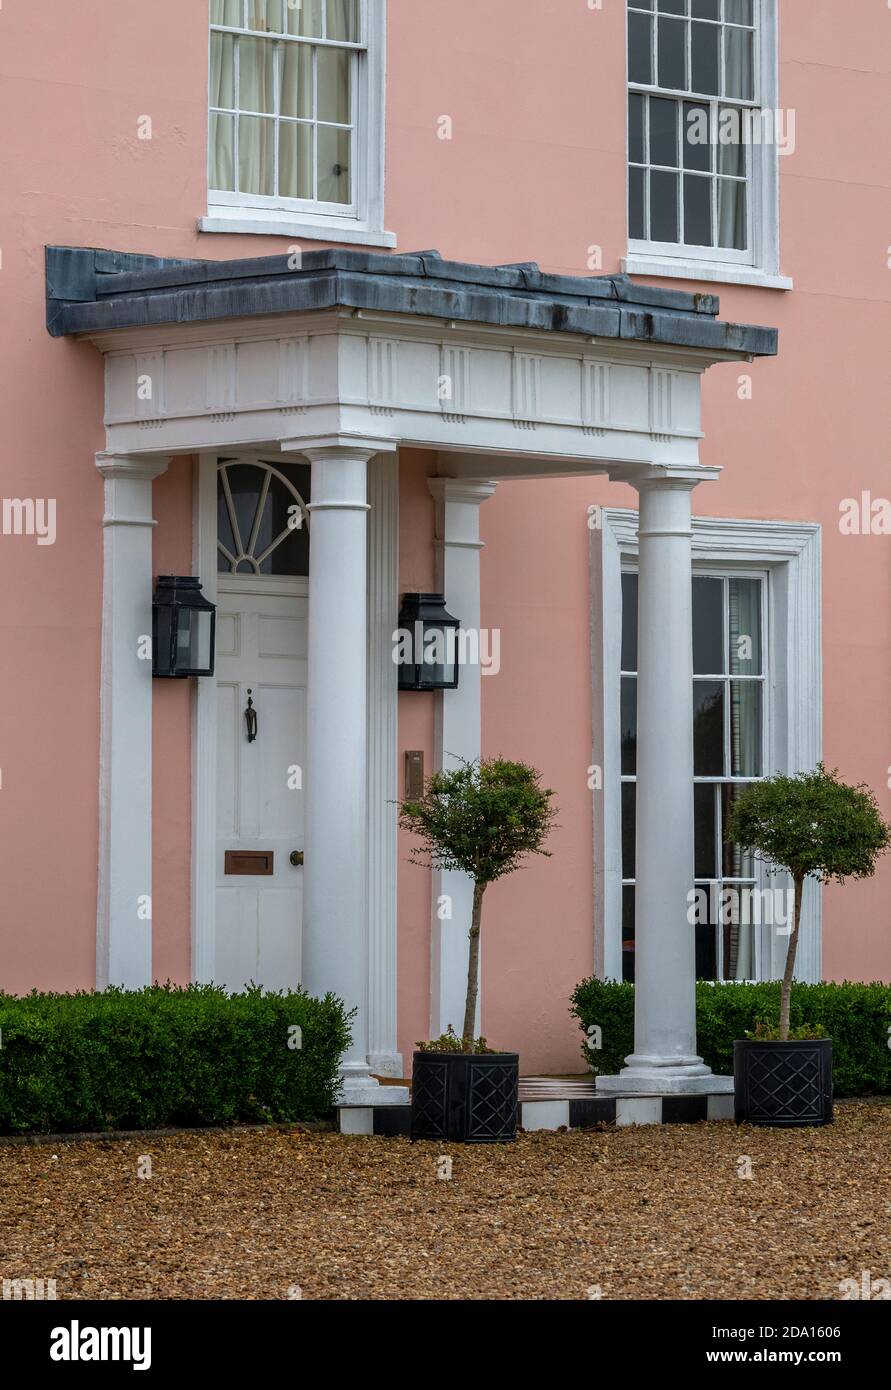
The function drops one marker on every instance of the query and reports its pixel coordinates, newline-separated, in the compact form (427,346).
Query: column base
(386,1064)
(645,1077)
(359,1087)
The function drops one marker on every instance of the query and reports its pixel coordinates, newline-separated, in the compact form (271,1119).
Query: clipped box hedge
(856,1017)
(164,1056)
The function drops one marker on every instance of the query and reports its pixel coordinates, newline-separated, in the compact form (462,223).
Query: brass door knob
(297,858)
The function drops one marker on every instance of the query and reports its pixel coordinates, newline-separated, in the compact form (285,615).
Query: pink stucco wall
(535,170)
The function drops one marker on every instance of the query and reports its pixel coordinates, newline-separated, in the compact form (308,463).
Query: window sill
(677,268)
(266,222)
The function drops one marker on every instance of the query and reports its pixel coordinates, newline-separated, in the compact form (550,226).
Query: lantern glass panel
(438,665)
(194,640)
(161,640)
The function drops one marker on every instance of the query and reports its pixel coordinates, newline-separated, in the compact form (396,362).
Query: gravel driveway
(656,1212)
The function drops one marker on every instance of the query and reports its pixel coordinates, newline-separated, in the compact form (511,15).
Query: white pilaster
(664,1058)
(457,736)
(335,924)
(204,736)
(123,919)
(383,614)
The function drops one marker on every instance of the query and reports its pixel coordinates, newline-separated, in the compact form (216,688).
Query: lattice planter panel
(786,1084)
(467,1099)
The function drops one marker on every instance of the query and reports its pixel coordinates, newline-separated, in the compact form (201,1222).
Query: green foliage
(481,818)
(857,1017)
(766,1031)
(166,1056)
(811,824)
(450,1042)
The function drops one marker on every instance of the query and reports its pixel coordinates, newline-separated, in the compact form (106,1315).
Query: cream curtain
(265,15)
(744,601)
(738,64)
(335,69)
(256,136)
(222,128)
(342,20)
(745,696)
(741,965)
(334,159)
(306,19)
(227,12)
(732,215)
(295,140)
(738,11)
(299,145)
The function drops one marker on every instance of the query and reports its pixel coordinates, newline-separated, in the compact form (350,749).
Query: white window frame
(789,554)
(363,222)
(760,264)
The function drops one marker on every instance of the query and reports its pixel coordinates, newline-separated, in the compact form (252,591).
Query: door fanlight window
(262,518)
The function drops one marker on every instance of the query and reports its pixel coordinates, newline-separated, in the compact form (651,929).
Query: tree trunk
(786,995)
(473,966)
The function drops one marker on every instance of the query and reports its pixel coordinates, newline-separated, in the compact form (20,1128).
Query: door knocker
(250,719)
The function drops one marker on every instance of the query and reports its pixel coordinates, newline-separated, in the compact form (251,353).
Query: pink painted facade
(535,171)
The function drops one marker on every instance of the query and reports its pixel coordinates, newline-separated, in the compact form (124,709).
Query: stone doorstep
(371,1096)
(557,1105)
(385,1121)
(624,1110)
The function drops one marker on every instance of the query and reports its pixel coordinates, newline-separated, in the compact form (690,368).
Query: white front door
(261,656)
(261,667)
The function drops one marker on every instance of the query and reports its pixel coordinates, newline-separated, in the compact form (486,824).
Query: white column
(124,926)
(664,1058)
(335,923)
(457,736)
(383,614)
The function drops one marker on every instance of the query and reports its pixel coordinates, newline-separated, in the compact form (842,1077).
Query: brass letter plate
(414,775)
(249,861)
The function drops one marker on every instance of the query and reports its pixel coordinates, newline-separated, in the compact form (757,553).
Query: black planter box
(785,1084)
(467,1098)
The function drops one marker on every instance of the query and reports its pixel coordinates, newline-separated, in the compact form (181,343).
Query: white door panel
(261,649)
(228,733)
(230,936)
(278,935)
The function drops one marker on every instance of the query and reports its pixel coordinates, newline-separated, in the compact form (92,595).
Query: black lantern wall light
(183,628)
(426,648)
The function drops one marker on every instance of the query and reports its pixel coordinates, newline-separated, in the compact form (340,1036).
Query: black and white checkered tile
(549,1103)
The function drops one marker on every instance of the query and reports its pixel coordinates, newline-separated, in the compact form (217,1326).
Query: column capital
(458,502)
(674,476)
(138,467)
(129,505)
(331,447)
(461,490)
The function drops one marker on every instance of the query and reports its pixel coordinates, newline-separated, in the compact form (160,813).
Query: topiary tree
(810,825)
(481,818)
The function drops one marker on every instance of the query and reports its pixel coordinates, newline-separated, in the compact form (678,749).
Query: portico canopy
(337,356)
(541,373)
